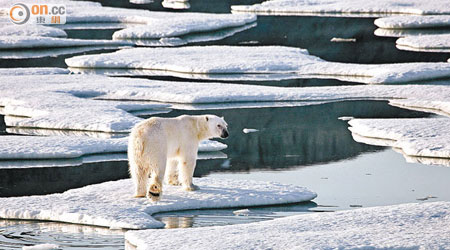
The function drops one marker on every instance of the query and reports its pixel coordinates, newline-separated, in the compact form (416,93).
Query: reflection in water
(222,217)
(16,234)
(191,38)
(47,180)
(47,57)
(2,125)
(54,52)
(293,136)
(210,6)
(368,48)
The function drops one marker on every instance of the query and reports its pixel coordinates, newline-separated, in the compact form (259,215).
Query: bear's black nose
(224,134)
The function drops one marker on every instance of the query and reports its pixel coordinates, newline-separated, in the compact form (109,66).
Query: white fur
(166,149)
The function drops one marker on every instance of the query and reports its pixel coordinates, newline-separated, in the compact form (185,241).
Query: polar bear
(165,149)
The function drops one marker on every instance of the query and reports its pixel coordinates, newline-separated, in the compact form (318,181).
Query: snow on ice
(31,30)
(111,204)
(97,103)
(57,147)
(425,43)
(406,226)
(413,22)
(346,7)
(420,137)
(293,62)
(27,42)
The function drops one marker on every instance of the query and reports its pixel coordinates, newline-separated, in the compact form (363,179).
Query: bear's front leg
(186,172)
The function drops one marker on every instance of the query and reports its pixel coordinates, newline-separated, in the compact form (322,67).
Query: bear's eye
(219,126)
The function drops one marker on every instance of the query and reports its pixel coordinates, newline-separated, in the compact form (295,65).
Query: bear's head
(217,126)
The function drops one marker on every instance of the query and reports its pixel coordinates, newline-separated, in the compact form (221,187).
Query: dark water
(305,146)
(312,33)
(195,6)
(289,137)
(275,83)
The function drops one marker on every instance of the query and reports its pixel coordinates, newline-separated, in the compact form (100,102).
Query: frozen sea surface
(346,7)
(90,206)
(63,147)
(413,22)
(425,43)
(78,102)
(416,137)
(25,42)
(400,226)
(257,60)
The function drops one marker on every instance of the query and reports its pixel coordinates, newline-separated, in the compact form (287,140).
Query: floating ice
(111,204)
(46,246)
(425,137)
(413,22)
(57,147)
(257,60)
(346,7)
(87,102)
(249,130)
(342,40)
(406,226)
(427,43)
(95,158)
(31,30)
(155,24)
(178,24)
(177,5)
(192,38)
(39,147)
(409,32)
(33,71)
(24,42)
(51,52)
(242,212)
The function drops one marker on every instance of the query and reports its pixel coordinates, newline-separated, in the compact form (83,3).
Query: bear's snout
(224,134)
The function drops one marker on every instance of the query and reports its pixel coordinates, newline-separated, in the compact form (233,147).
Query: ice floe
(33,71)
(242,60)
(425,137)
(406,226)
(156,24)
(52,52)
(413,22)
(409,32)
(176,24)
(57,147)
(191,38)
(426,43)
(25,42)
(346,7)
(100,103)
(111,204)
(45,246)
(31,30)
(95,158)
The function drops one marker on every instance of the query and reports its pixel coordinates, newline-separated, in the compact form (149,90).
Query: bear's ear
(207,119)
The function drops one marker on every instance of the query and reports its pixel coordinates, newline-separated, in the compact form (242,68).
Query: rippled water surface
(305,145)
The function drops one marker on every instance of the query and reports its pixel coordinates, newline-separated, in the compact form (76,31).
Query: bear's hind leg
(139,175)
(157,176)
(172,173)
